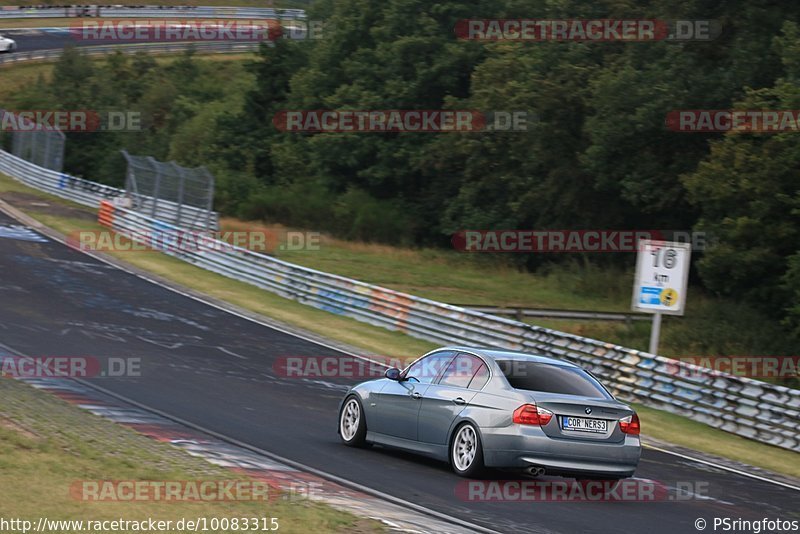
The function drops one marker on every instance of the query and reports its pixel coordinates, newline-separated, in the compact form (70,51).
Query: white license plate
(582,424)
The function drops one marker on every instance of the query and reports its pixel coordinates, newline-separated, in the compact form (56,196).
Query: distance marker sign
(662,274)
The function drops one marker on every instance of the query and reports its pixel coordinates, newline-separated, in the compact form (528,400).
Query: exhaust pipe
(535,471)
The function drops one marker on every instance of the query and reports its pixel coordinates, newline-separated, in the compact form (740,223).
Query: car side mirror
(393,373)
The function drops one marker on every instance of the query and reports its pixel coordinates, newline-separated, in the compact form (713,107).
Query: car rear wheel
(352,426)
(466,451)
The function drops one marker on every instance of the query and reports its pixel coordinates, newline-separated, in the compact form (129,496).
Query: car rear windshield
(532,376)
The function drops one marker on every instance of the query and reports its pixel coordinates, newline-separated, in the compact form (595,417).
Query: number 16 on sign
(662,275)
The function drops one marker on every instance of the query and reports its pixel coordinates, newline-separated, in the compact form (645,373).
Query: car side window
(480,378)
(461,370)
(429,368)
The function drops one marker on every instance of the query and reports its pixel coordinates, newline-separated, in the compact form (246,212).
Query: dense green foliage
(598,155)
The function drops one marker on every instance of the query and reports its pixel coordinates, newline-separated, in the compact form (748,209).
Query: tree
(748,193)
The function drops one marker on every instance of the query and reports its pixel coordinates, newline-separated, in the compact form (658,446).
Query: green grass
(370,340)
(687,433)
(710,327)
(373,340)
(453,277)
(22,75)
(47,445)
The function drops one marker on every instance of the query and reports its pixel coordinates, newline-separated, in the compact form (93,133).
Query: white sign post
(662,276)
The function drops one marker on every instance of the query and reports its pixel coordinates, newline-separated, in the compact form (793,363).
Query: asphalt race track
(216,370)
(36,39)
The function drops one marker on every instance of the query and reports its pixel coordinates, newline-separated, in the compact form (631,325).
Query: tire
(466,451)
(352,424)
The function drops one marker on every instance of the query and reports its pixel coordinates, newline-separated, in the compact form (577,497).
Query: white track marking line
(52,234)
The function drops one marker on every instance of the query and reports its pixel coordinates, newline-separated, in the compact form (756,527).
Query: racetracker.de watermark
(733,120)
(69,367)
(190,241)
(374,366)
(592,30)
(570,490)
(362,368)
(173,490)
(188,30)
(76,121)
(402,121)
(599,240)
(160,30)
(748,366)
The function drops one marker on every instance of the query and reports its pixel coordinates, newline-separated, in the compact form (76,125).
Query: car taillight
(630,425)
(530,414)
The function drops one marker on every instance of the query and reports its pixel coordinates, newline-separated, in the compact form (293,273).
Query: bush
(363,218)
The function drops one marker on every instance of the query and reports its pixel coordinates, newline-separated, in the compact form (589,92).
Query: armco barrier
(749,408)
(89,193)
(150,48)
(93,11)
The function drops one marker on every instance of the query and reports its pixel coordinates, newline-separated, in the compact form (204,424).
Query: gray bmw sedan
(478,408)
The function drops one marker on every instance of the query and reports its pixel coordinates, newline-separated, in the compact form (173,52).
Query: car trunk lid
(582,418)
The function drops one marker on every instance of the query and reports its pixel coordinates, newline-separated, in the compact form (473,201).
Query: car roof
(503,354)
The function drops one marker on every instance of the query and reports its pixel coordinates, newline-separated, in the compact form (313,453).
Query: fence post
(181,185)
(210,205)
(156,186)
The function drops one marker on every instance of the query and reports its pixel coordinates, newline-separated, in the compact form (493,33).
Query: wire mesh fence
(149,183)
(41,144)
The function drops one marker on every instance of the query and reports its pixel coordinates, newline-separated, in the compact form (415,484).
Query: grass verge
(710,327)
(372,340)
(687,433)
(25,74)
(46,445)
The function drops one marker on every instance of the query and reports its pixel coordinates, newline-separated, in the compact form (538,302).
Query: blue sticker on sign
(650,295)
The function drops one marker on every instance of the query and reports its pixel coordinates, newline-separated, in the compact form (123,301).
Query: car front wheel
(352,426)
(466,451)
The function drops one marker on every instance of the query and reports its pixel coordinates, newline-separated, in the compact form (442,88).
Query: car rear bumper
(523,447)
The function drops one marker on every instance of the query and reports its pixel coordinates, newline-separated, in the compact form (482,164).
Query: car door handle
(459,400)
(416,395)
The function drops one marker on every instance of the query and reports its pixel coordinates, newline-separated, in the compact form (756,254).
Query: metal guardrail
(743,406)
(35,12)
(746,407)
(151,48)
(521,313)
(91,193)
(86,192)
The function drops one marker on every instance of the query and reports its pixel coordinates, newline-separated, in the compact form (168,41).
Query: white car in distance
(7,45)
